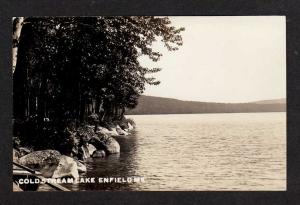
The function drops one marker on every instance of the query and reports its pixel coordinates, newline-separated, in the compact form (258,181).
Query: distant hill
(160,105)
(275,101)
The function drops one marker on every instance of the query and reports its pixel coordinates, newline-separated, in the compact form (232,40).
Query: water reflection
(121,165)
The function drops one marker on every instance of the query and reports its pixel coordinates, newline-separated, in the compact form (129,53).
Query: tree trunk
(18,24)
(122,113)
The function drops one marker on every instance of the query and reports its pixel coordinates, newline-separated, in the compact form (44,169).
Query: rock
(16,155)
(107,143)
(99,154)
(130,127)
(81,167)
(91,148)
(111,145)
(24,151)
(114,131)
(105,131)
(120,131)
(124,126)
(97,142)
(67,167)
(87,150)
(51,163)
(40,159)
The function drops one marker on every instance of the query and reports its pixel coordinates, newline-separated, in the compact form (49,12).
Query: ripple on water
(240,151)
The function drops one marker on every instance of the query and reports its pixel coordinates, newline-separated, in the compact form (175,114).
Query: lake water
(240,151)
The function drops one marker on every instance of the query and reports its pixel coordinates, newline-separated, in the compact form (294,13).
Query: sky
(223,59)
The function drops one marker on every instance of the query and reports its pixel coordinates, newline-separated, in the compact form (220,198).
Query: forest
(159,105)
(73,71)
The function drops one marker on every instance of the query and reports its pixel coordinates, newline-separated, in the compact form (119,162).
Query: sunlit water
(240,151)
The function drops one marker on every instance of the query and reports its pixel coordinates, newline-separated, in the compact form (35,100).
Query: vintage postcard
(149,103)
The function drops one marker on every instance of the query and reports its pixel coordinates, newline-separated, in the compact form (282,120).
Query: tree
(71,67)
(17,27)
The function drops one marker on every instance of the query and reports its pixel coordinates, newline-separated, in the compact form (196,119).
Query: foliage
(71,67)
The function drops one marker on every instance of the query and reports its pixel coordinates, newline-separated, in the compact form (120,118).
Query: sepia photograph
(149,103)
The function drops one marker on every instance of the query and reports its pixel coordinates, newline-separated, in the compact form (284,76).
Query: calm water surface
(240,151)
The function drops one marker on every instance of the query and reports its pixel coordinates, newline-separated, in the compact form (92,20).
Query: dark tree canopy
(71,67)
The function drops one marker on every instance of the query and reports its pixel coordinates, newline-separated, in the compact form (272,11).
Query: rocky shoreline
(88,141)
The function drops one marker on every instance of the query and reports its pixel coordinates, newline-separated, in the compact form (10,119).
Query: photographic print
(149,103)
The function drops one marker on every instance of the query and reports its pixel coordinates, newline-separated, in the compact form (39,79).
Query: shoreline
(92,142)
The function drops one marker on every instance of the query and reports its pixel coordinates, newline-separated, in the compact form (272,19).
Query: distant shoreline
(148,105)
